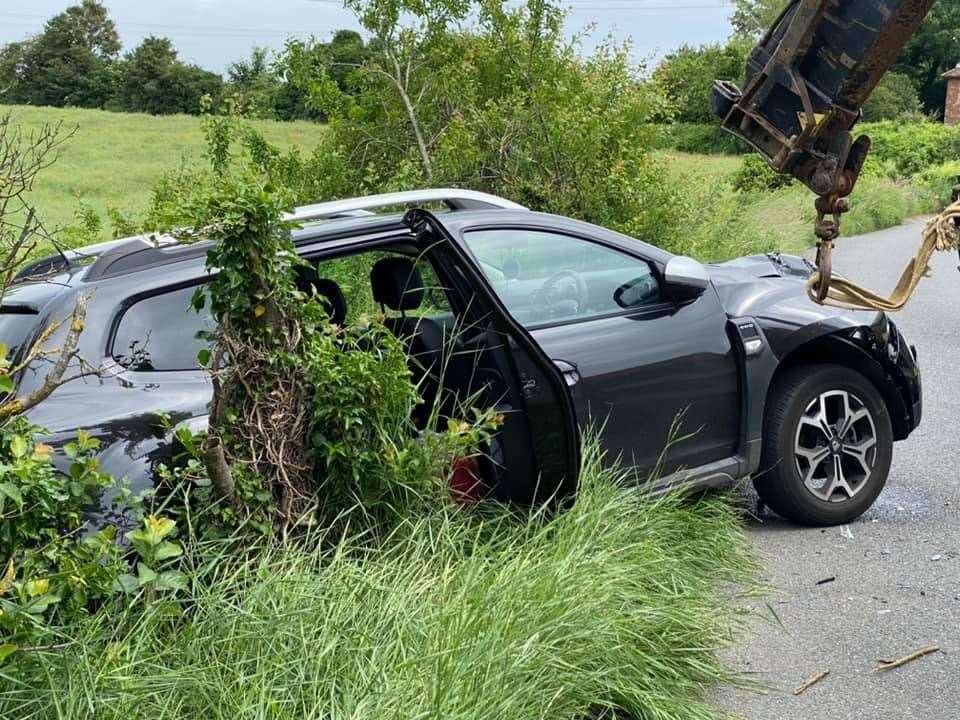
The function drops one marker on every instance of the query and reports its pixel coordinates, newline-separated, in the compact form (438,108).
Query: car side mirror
(685,278)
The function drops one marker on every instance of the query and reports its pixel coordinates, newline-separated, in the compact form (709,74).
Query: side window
(160,333)
(352,275)
(546,278)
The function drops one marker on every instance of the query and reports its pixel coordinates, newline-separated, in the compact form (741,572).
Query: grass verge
(721,222)
(616,608)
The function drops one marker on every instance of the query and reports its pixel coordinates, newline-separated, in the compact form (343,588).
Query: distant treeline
(76,61)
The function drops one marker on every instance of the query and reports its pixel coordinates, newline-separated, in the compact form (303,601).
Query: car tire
(827,445)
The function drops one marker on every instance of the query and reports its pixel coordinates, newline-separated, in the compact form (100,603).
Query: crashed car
(560,324)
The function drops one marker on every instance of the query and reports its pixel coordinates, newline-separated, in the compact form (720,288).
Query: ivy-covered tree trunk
(257,443)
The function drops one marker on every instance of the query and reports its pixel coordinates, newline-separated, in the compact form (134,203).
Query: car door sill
(721,473)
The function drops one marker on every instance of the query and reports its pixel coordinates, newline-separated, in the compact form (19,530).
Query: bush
(687,75)
(618,604)
(895,97)
(878,203)
(755,175)
(938,184)
(57,567)
(708,139)
(913,147)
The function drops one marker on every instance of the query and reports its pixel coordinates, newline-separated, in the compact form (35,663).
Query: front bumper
(905,361)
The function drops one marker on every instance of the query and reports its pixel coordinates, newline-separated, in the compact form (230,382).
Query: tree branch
(215,462)
(411,113)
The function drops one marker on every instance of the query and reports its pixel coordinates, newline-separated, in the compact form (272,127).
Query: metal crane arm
(806,83)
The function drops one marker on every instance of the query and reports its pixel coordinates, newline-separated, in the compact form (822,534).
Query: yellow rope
(940,234)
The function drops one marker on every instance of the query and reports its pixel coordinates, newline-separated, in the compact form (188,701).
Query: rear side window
(16,329)
(161,333)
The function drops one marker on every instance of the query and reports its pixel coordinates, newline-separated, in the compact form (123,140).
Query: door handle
(571,374)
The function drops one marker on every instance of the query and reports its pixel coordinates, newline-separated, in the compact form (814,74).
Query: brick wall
(951,113)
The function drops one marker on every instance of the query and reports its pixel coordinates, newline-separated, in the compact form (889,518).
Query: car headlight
(892,340)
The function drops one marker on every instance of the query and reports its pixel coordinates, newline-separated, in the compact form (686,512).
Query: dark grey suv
(559,323)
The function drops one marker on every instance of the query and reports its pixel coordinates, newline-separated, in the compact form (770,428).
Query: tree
(153,80)
(752,18)
(254,84)
(308,65)
(687,75)
(404,31)
(69,62)
(11,58)
(931,52)
(894,97)
(508,104)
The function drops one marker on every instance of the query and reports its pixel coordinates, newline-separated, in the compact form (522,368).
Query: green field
(114,159)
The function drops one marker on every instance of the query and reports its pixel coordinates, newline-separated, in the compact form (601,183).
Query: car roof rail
(453,198)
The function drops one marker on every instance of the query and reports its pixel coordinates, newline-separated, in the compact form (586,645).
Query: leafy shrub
(527,117)
(913,147)
(895,97)
(687,75)
(879,202)
(56,568)
(50,569)
(939,183)
(708,138)
(755,175)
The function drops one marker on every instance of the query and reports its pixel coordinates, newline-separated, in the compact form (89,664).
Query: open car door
(535,456)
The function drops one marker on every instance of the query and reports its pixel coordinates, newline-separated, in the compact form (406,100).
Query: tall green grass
(615,608)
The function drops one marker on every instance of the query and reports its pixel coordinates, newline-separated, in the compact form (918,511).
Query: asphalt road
(897,569)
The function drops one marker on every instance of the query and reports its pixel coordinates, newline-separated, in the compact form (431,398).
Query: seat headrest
(309,282)
(334,300)
(397,284)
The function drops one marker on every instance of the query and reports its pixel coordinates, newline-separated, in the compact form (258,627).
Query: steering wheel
(565,285)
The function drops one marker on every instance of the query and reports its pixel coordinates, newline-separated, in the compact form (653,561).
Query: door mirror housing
(685,278)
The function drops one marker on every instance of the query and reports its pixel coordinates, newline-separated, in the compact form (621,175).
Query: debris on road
(893,664)
(811,682)
(826,580)
(846,533)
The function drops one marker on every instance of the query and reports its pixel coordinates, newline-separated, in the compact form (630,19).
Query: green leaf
(41,604)
(19,446)
(145,574)
(6,384)
(168,550)
(172,580)
(6,650)
(13,492)
(203,357)
(199,299)
(127,584)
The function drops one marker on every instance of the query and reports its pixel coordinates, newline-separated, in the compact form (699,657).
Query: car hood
(774,287)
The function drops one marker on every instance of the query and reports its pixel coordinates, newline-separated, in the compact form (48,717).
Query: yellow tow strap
(940,234)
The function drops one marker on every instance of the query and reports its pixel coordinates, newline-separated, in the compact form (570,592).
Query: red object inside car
(465,481)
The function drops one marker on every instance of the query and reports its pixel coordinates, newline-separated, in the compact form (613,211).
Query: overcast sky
(213,33)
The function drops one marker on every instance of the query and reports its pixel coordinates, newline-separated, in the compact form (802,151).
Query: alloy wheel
(835,446)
